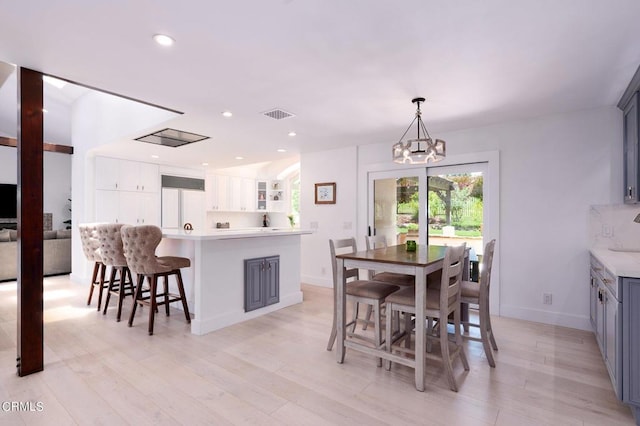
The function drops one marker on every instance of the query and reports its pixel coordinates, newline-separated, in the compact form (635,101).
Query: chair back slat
(452,269)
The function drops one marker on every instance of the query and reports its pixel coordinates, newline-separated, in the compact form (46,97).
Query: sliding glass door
(455,205)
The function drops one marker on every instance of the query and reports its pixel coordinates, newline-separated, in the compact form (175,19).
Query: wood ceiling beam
(51,147)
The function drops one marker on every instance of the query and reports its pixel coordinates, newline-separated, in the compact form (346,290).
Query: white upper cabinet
(124,175)
(217,192)
(230,193)
(107,173)
(242,194)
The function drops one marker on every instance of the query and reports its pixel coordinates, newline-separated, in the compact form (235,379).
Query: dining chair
(402,280)
(358,291)
(477,293)
(140,243)
(112,253)
(91,250)
(440,303)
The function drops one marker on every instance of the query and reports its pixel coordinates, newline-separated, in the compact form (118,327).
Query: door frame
(492,205)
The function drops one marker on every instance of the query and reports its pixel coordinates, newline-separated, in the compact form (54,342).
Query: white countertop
(232,233)
(619,263)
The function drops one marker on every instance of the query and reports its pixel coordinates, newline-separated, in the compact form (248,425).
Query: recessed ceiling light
(205,164)
(163,40)
(239,158)
(227,114)
(282,150)
(292,133)
(155,156)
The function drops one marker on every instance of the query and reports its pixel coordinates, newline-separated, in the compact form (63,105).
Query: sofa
(56,253)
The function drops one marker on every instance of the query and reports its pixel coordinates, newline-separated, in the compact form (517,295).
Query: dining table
(421,262)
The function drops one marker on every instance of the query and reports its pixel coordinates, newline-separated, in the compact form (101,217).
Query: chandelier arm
(424,129)
(408,128)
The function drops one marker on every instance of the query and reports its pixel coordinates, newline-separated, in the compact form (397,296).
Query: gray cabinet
(630,150)
(606,319)
(261,282)
(631,339)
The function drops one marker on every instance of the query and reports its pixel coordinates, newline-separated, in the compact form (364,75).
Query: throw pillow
(5,236)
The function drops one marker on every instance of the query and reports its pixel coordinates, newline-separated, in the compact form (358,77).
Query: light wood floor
(275,371)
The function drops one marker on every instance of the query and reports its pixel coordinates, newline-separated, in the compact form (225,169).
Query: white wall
(57,181)
(97,119)
(329,221)
(551,170)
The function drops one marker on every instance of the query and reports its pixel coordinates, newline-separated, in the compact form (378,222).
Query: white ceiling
(347,69)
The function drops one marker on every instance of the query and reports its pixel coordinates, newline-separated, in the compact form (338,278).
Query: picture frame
(325,193)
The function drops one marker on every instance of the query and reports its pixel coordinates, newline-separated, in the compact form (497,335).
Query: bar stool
(91,249)
(478,294)
(440,303)
(112,255)
(140,243)
(371,293)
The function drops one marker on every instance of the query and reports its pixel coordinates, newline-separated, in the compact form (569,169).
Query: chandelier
(421,150)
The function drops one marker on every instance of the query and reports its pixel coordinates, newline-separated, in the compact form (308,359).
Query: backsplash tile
(612,226)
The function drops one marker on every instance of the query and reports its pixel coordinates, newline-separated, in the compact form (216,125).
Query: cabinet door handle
(630,192)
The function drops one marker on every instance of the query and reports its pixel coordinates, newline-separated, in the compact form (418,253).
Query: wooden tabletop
(424,255)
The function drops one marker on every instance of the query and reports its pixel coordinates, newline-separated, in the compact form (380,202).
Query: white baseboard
(226,319)
(553,318)
(319,281)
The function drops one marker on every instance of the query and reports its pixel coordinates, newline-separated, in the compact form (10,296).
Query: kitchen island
(215,282)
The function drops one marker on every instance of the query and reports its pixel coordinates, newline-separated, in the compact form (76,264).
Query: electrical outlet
(547,298)
(347,225)
(607,231)
(323,271)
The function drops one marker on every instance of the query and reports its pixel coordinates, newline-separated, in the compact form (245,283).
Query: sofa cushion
(49,235)
(63,233)
(5,235)
(14,234)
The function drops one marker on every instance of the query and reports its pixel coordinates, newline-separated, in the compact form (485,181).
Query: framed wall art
(326,193)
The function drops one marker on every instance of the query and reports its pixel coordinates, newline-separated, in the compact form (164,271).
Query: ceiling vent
(278,114)
(171,137)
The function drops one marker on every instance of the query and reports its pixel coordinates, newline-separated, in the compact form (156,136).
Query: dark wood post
(30,223)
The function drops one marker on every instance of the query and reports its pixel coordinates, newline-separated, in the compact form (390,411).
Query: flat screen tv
(8,201)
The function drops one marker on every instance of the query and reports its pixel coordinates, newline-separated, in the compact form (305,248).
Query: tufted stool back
(90,242)
(140,244)
(111,249)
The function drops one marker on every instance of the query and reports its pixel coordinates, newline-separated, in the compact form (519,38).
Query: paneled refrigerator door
(193,208)
(171,208)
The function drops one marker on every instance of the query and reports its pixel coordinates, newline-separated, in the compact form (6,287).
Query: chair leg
(165,293)
(458,339)
(112,287)
(490,329)
(378,326)
(154,306)
(367,317)
(446,356)
(387,339)
(334,332)
(103,272)
(356,306)
(122,291)
(486,336)
(94,277)
(185,306)
(137,296)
